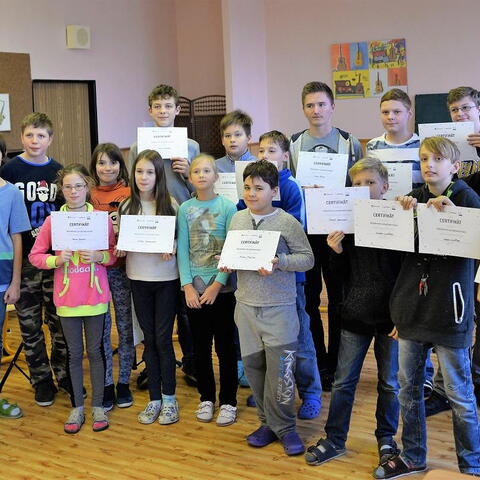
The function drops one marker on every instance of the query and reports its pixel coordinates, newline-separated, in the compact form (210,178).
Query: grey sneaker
(227,415)
(169,413)
(151,412)
(205,411)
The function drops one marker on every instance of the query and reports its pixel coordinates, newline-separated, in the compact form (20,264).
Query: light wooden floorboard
(36,448)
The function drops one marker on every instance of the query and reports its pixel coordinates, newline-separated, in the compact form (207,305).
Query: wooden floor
(35,447)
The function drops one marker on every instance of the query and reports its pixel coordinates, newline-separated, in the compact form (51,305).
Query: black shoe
(251,402)
(436,403)
(327,381)
(476,391)
(142,380)
(124,396)
(386,451)
(108,397)
(427,389)
(45,393)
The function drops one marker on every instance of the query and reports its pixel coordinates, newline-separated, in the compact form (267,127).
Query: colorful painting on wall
(368,69)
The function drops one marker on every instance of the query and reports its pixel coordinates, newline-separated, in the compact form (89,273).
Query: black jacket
(445,315)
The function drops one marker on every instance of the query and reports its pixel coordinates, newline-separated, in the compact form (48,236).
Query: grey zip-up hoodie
(294,255)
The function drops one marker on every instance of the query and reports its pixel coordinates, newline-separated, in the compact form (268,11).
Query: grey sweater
(294,255)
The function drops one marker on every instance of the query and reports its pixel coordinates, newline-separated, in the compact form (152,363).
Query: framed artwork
(5,125)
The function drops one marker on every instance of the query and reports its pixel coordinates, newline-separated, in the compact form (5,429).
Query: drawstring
(456,287)
(66,280)
(94,281)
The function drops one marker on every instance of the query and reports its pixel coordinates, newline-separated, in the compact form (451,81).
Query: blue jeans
(455,365)
(306,373)
(353,349)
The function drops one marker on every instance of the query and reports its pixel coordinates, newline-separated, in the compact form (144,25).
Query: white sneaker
(169,413)
(227,415)
(151,412)
(205,411)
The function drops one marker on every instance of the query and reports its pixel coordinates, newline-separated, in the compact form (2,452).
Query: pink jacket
(76,284)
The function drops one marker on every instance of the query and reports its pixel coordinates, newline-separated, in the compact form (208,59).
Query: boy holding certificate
(266,314)
(432,305)
(369,274)
(395,114)
(321,136)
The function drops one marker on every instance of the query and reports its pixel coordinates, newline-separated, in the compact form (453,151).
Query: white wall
(133,48)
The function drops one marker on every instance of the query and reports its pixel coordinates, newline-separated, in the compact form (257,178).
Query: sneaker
(309,409)
(242,378)
(100,419)
(292,443)
(226,415)
(261,437)
(9,410)
(396,467)
(323,451)
(45,393)
(124,396)
(151,412)
(205,411)
(251,402)
(386,451)
(142,380)
(436,403)
(108,397)
(169,413)
(427,389)
(74,421)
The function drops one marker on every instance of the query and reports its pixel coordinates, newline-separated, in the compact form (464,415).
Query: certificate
(383,224)
(168,142)
(456,132)
(332,209)
(147,233)
(249,249)
(240,166)
(399,180)
(323,169)
(399,155)
(79,230)
(455,231)
(226,185)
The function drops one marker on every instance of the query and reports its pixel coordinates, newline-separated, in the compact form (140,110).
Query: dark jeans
(326,359)
(155,305)
(209,323)
(353,349)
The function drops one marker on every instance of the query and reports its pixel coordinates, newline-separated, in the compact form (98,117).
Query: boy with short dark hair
(321,136)
(34,173)
(163,107)
(369,274)
(273,147)
(432,305)
(395,114)
(236,132)
(266,314)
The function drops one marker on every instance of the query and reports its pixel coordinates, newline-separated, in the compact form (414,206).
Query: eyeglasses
(77,187)
(463,108)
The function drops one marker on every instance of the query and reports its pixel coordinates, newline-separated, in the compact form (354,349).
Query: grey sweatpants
(268,341)
(73,328)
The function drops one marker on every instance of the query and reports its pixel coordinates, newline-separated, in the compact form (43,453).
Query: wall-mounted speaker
(78,36)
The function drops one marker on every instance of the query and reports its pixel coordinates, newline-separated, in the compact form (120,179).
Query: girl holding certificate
(81,296)
(203,222)
(110,175)
(155,287)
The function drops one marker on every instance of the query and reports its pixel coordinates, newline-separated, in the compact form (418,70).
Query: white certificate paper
(79,230)
(332,209)
(249,249)
(399,180)
(383,224)
(240,166)
(226,185)
(147,233)
(399,155)
(477,276)
(454,232)
(456,132)
(168,142)
(323,169)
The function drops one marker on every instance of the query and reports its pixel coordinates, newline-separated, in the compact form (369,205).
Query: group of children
(373,293)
